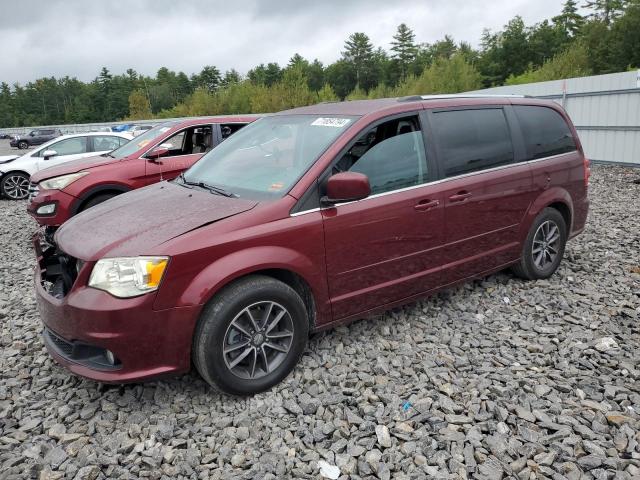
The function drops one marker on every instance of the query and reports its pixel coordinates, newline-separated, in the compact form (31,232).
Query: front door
(386,247)
(184,149)
(65,151)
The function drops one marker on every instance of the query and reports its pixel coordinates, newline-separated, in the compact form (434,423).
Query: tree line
(606,39)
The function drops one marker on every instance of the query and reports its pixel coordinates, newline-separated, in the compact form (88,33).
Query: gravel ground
(6,149)
(498,378)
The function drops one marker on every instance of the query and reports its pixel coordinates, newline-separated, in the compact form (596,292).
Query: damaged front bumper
(101,337)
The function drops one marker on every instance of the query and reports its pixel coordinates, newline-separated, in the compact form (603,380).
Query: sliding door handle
(425,205)
(460,196)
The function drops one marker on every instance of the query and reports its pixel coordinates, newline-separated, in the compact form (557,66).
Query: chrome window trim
(435,182)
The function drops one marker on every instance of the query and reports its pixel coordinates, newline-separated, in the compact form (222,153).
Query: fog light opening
(48,209)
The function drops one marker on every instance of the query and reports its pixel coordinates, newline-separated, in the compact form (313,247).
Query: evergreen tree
(316,76)
(570,21)
(326,94)
(230,77)
(606,10)
(358,51)
(404,48)
(208,78)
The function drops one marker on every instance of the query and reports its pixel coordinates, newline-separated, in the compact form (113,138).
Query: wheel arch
(16,171)
(557,198)
(285,265)
(94,192)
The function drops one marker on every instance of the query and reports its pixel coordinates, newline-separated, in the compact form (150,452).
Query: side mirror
(156,153)
(346,187)
(47,154)
(32,134)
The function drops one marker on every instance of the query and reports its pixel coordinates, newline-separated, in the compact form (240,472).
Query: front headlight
(129,276)
(58,183)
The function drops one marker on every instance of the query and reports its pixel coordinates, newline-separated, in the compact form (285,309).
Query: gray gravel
(498,378)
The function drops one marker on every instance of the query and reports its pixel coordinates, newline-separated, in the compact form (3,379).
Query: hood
(134,223)
(72,167)
(7,158)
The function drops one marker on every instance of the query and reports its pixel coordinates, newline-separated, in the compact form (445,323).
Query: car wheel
(22,145)
(544,246)
(15,185)
(250,336)
(92,202)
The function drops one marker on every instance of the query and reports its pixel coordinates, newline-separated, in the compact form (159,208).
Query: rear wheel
(544,246)
(250,336)
(22,145)
(15,185)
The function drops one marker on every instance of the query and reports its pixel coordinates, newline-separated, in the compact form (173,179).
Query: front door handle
(425,205)
(460,196)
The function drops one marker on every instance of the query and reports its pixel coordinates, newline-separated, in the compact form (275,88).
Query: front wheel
(15,185)
(97,200)
(250,336)
(22,145)
(544,246)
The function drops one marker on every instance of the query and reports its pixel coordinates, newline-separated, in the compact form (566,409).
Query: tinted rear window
(545,131)
(472,140)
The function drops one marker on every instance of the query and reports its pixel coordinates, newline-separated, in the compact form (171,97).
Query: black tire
(528,268)
(92,202)
(214,331)
(23,145)
(15,186)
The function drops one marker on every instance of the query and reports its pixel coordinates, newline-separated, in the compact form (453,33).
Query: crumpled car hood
(133,223)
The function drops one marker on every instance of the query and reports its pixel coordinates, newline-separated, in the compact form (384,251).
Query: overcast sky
(77,37)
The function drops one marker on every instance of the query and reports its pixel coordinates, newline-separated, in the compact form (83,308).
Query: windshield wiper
(108,154)
(206,186)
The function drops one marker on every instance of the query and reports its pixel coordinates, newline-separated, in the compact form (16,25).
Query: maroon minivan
(303,220)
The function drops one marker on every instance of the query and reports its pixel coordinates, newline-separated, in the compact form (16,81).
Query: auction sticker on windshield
(330,122)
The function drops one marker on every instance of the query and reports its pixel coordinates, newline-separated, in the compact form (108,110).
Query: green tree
(573,62)
(358,51)
(624,39)
(139,107)
(444,75)
(342,77)
(316,76)
(569,20)
(404,48)
(208,78)
(230,77)
(606,10)
(265,75)
(326,94)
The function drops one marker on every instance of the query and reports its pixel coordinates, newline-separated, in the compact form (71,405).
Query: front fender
(244,262)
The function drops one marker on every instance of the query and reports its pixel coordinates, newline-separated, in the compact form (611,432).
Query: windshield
(140,141)
(266,158)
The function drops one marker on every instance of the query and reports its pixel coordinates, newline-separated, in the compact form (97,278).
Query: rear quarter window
(545,131)
(472,140)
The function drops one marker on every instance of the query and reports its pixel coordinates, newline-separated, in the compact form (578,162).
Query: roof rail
(415,98)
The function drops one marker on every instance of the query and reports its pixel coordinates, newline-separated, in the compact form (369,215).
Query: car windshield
(266,158)
(140,141)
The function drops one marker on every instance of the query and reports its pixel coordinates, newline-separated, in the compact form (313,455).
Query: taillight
(587,171)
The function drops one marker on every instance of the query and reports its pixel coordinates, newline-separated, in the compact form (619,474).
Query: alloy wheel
(16,187)
(258,340)
(546,244)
